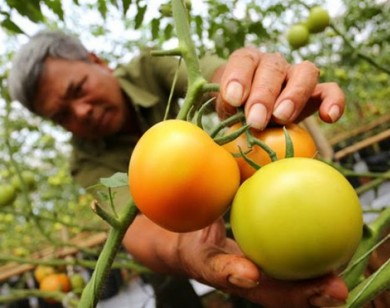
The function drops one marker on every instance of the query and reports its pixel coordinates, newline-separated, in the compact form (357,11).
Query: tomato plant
(180,178)
(297,218)
(273,137)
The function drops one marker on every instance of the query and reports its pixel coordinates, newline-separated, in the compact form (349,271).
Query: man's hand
(210,257)
(270,89)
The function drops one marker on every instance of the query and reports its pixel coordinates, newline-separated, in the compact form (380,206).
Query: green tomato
(297,218)
(77,282)
(7,195)
(318,19)
(28,179)
(298,36)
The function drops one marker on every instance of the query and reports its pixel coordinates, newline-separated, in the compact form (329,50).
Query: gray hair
(28,62)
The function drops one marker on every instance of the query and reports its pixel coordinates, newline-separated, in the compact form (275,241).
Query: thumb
(228,270)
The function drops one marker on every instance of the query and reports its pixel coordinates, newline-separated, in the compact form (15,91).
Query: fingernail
(325,301)
(242,282)
(334,113)
(284,110)
(257,116)
(234,93)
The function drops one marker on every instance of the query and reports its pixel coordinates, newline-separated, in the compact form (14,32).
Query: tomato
(77,282)
(274,137)
(318,19)
(297,218)
(298,36)
(55,282)
(41,271)
(180,178)
(7,195)
(28,179)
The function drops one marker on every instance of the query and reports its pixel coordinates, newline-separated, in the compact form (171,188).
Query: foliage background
(355,52)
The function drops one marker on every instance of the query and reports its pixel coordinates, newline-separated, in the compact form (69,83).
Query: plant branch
(90,295)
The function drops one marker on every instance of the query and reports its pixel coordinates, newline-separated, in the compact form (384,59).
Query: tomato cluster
(297,218)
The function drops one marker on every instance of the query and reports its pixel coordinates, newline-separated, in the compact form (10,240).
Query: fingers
(227,270)
(238,75)
(271,89)
(265,89)
(332,100)
(301,81)
(329,291)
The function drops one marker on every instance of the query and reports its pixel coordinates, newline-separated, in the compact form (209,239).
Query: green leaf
(199,25)
(29,9)
(56,7)
(11,26)
(119,179)
(155,28)
(139,18)
(102,7)
(168,31)
(125,6)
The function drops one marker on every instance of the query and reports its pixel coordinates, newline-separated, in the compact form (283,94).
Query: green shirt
(147,81)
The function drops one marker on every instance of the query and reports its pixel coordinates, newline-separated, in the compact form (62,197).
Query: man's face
(83,97)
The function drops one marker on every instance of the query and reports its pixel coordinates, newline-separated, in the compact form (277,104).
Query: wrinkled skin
(272,89)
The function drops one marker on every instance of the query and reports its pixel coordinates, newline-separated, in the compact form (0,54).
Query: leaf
(119,179)
(125,6)
(102,7)
(11,26)
(140,16)
(199,25)
(56,7)
(155,28)
(29,9)
(168,32)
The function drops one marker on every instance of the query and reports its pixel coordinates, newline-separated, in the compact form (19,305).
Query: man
(107,111)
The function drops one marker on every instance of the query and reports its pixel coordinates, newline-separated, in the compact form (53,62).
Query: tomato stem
(370,287)
(227,138)
(90,295)
(237,117)
(107,217)
(371,235)
(289,143)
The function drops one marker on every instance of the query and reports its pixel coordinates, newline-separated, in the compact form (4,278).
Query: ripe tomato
(180,178)
(55,282)
(42,271)
(297,218)
(274,137)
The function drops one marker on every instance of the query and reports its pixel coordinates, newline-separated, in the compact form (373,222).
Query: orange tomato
(41,271)
(180,178)
(273,137)
(55,282)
